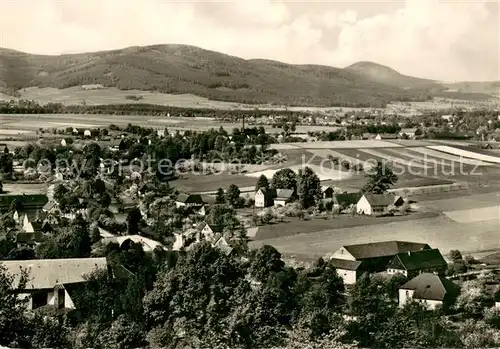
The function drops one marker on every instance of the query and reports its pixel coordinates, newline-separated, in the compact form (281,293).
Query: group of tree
(204,297)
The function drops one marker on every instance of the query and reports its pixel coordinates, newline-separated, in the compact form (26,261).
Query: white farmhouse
(371,204)
(429,289)
(263,198)
(283,197)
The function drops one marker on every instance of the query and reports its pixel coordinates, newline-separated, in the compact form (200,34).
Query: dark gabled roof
(223,245)
(325,188)
(383,249)
(431,286)
(215,228)
(37,226)
(284,193)
(189,198)
(268,193)
(380,199)
(148,231)
(418,260)
(49,205)
(346,264)
(347,199)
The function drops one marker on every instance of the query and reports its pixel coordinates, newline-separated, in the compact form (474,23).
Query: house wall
(430,304)
(179,204)
(349,276)
(207,232)
(414,273)
(363,206)
(51,299)
(407,296)
(260,200)
(342,253)
(397,271)
(278,202)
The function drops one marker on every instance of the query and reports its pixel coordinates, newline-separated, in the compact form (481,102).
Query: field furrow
(396,160)
(453,158)
(325,153)
(466,153)
(347,144)
(419,158)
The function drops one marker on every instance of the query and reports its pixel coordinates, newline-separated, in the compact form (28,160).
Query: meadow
(440,232)
(416,166)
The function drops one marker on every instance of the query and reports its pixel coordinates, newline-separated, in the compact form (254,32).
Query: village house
(223,245)
(50,207)
(353,260)
(408,132)
(48,279)
(283,197)
(205,231)
(189,200)
(63,142)
(429,289)
(327,192)
(372,204)
(381,136)
(160,132)
(411,263)
(264,198)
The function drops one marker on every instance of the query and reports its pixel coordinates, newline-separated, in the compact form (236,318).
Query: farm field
(475,214)
(294,226)
(76,95)
(435,155)
(415,166)
(338,145)
(466,153)
(32,122)
(12,188)
(452,202)
(440,232)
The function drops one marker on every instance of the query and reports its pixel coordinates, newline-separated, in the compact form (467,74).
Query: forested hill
(188,69)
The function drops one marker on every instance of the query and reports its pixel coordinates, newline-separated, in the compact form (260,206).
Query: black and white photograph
(249,174)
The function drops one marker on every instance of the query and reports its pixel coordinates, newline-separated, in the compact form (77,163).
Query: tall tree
(134,217)
(233,195)
(262,182)
(284,179)
(380,179)
(308,187)
(220,197)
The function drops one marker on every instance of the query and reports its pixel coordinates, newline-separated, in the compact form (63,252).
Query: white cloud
(437,39)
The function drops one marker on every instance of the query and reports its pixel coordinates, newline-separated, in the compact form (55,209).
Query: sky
(443,40)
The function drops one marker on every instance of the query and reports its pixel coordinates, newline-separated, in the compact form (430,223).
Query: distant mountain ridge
(188,69)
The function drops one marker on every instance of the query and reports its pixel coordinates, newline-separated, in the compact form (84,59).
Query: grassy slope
(187,69)
(386,75)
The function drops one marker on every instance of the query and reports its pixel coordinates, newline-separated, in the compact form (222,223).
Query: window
(60,299)
(38,299)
